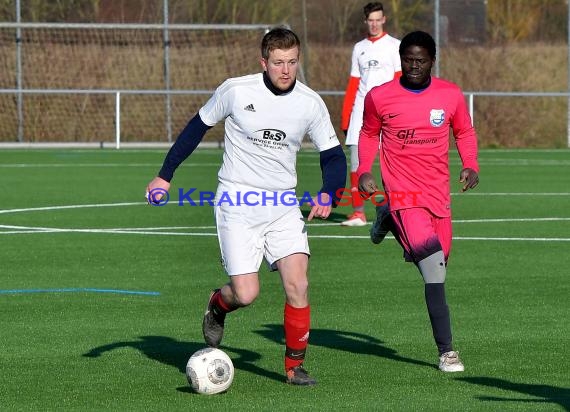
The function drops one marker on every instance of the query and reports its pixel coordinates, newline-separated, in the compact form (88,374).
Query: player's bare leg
(240,291)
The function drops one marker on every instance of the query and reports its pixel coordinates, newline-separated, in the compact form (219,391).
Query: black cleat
(213,324)
(382,225)
(299,376)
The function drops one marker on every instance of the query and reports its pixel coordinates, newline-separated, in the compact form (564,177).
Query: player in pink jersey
(375,60)
(414,115)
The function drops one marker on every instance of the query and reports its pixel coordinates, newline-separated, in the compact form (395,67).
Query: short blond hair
(279,38)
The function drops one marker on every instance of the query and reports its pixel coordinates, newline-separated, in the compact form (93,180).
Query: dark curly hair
(418,38)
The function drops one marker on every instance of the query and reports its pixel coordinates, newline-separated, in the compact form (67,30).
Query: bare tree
(404,14)
(513,20)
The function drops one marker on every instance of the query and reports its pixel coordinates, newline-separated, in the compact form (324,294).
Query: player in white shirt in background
(375,60)
(257,213)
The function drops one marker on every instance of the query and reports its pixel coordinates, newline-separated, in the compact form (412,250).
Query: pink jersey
(415,142)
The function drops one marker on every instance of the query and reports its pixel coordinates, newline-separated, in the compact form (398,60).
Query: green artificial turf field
(102,296)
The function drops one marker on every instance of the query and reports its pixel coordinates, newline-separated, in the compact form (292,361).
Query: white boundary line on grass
(39,209)
(512,194)
(174,203)
(488,162)
(54,165)
(168,231)
(152,231)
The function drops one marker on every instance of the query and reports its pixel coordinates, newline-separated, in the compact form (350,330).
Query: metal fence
(55,58)
(140,82)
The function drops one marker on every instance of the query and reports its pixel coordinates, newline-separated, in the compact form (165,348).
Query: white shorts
(247,234)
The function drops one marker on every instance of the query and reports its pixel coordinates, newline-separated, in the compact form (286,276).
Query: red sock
(356,199)
(220,305)
(297,322)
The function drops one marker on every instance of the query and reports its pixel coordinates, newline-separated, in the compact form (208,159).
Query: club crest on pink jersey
(436,117)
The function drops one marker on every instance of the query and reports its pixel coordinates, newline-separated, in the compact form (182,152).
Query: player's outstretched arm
(469,178)
(186,142)
(156,189)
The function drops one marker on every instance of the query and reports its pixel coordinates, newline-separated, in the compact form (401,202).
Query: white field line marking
(58,165)
(38,209)
(522,239)
(32,229)
(512,194)
(526,162)
(166,228)
(18,232)
(217,165)
(507,220)
(158,230)
(130,232)
(25,229)
(174,202)
(453,162)
(205,149)
(516,162)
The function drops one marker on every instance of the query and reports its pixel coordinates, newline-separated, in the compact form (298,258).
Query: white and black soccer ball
(210,371)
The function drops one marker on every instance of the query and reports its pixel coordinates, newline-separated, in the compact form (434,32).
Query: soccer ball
(210,371)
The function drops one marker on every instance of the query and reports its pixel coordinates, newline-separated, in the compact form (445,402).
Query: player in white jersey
(375,60)
(257,213)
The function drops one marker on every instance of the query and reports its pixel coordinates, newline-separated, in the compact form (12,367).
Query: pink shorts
(421,233)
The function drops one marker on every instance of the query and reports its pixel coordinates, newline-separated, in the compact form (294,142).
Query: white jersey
(375,62)
(264,132)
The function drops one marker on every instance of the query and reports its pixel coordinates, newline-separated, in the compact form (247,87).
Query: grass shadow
(345,341)
(176,353)
(545,393)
